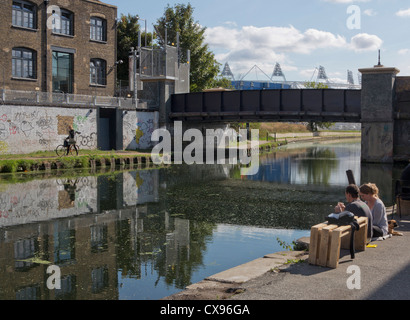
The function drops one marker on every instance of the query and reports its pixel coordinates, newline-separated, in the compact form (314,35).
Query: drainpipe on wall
(45,43)
(115,53)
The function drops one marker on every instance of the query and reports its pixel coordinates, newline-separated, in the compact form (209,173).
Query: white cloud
(231,23)
(243,48)
(403,13)
(264,46)
(404,51)
(280,39)
(307,73)
(370,12)
(365,42)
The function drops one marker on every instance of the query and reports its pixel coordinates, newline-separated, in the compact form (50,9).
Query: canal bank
(382,273)
(46,161)
(86,159)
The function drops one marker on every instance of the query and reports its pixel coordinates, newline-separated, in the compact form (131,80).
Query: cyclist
(70,140)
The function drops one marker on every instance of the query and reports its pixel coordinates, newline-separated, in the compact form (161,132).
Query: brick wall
(43,41)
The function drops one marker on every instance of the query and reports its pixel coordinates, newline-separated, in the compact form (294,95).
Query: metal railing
(63,99)
(158,63)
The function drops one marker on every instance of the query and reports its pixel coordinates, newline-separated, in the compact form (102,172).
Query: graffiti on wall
(143,133)
(89,141)
(4,147)
(25,129)
(30,129)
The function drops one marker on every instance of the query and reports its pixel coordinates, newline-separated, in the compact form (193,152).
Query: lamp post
(146,31)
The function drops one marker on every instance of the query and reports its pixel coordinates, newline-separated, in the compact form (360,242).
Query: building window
(98,29)
(23,63)
(64,242)
(99,238)
(98,71)
(24,14)
(24,250)
(63,72)
(63,23)
(99,279)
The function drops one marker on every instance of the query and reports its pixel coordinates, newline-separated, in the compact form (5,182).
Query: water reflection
(311,163)
(145,234)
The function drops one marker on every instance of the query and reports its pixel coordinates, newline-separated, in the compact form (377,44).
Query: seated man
(357,207)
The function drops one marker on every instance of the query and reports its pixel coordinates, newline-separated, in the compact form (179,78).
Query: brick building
(58,46)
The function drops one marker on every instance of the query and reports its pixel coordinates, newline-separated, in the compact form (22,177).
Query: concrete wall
(402,120)
(377,114)
(26,129)
(146,124)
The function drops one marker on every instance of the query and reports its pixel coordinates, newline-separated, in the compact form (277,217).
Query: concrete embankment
(225,284)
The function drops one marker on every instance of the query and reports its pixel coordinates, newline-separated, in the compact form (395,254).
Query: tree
(221,82)
(127,37)
(204,67)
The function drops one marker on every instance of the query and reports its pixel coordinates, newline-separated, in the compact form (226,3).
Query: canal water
(144,234)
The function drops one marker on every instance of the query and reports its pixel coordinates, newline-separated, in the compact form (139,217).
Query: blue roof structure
(259,85)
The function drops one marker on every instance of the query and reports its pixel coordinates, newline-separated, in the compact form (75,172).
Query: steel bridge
(300,105)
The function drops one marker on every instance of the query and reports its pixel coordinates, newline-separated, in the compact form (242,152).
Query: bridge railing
(332,105)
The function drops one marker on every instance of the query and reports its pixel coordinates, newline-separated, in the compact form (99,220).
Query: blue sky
(300,35)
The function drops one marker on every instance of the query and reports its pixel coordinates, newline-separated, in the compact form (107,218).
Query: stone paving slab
(245,272)
(255,268)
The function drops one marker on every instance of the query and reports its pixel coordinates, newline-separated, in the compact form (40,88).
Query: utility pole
(133,77)
(135,53)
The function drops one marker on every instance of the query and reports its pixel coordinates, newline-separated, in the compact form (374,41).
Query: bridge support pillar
(378,94)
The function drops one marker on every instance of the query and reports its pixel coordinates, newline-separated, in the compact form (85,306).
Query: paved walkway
(384,274)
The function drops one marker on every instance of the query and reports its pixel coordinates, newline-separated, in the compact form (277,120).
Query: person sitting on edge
(370,194)
(357,207)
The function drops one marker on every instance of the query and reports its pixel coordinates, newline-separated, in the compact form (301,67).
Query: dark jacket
(361,209)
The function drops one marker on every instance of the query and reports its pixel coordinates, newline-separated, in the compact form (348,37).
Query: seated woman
(370,194)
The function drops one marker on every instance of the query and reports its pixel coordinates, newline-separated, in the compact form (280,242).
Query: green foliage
(12,166)
(294,261)
(69,162)
(203,65)
(127,37)
(315,85)
(221,82)
(8,166)
(284,245)
(84,162)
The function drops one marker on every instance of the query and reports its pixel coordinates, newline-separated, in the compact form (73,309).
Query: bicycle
(61,150)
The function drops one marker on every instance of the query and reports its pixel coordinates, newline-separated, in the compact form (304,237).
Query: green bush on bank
(67,163)
(11,166)
(74,162)
(8,166)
